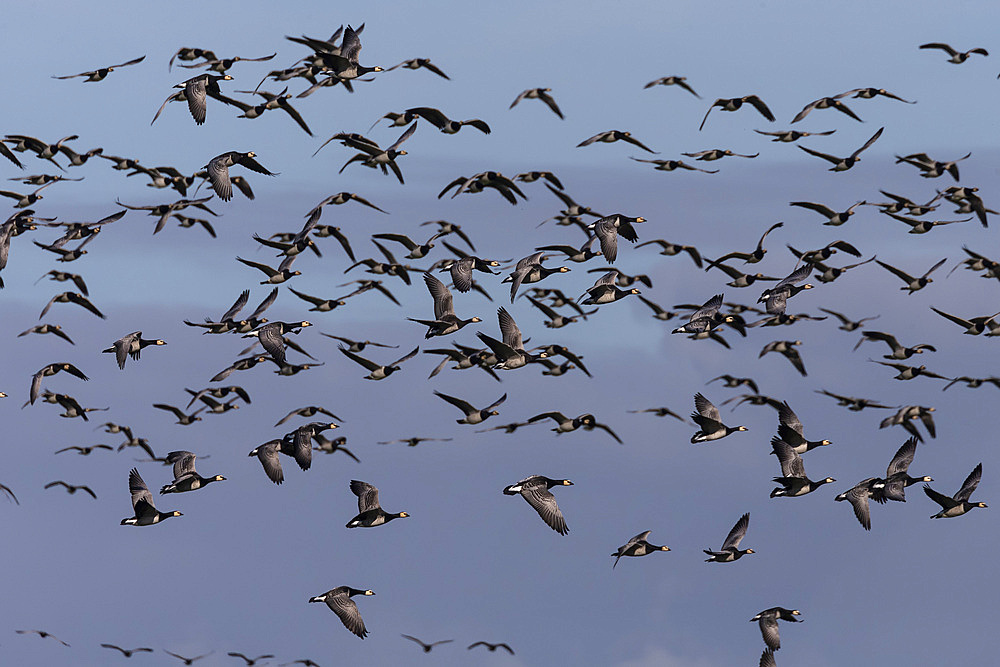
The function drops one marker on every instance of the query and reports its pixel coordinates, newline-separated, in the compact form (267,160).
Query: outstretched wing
(791,462)
(443,304)
(542,500)
(348,613)
(142,499)
(183,463)
(509,331)
(706,408)
(367,495)
(737,533)
(903,458)
(253,165)
(970,484)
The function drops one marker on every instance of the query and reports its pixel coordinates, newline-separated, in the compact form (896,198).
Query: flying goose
(535,490)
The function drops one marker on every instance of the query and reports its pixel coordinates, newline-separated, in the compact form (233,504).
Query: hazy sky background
(236,571)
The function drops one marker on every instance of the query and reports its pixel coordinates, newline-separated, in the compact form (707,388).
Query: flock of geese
(593,240)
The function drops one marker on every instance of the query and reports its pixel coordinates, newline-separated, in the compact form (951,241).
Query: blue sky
(236,571)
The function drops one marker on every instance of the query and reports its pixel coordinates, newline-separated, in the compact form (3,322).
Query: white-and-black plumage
(271,337)
(535,490)
(370,512)
(473,415)
(792,432)
(786,348)
(955,56)
(445,321)
(298,443)
(339,601)
(102,72)
(142,503)
(131,345)
(461,270)
(196,91)
(845,163)
(776,297)
(539,94)
(707,417)
(510,351)
(731,547)
(897,476)
(858,496)
(437,118)
(605,290)
(48,371)
(705,318)
(958,504)
(267,454)
(218,171)
(735,103)
(378,372)
(186,478)
(637,546)
(768,621)
(793,478)
(528,270)
(609,228)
